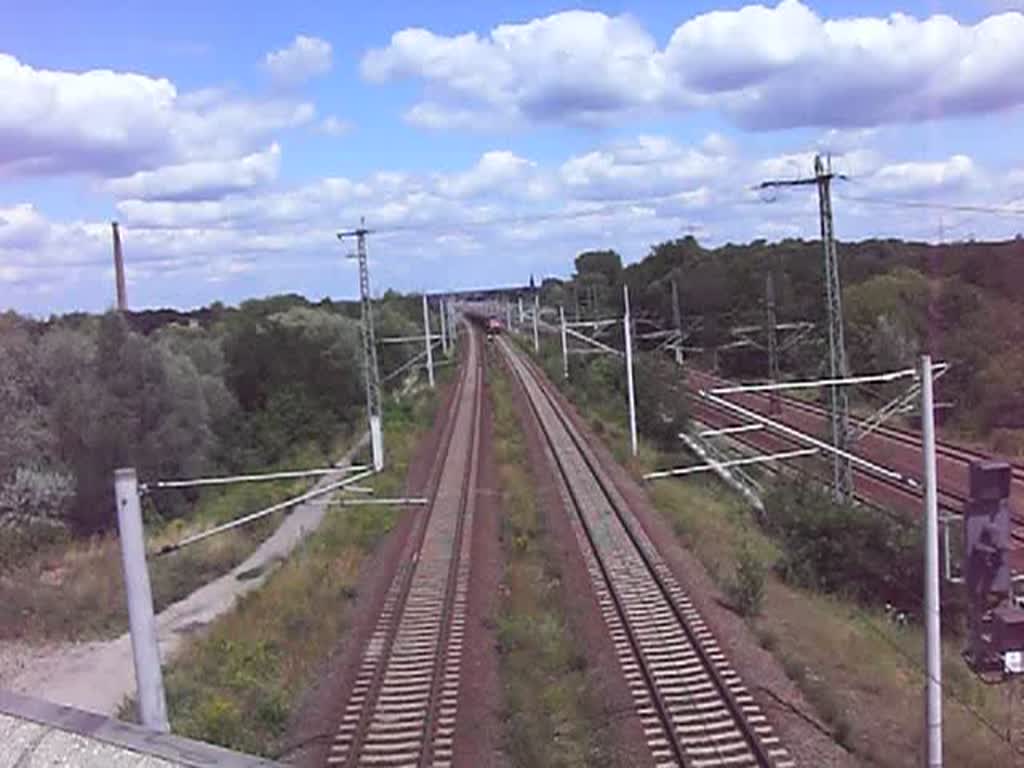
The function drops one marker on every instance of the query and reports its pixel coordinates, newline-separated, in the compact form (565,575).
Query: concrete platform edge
(129,736)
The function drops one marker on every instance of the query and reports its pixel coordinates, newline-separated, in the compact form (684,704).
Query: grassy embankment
(238,685)
(861,671)
(550,715)
(72,589)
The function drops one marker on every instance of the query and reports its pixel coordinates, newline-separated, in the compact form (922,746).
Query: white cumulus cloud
(113,124)
(911,178)
(335,126)
(576,64)
(646,166)
(498,173)
(766,67)
(201,179)
(496,219)
(306,58)
(22,226)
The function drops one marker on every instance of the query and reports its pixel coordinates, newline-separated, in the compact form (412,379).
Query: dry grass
(73,589)
(550,717)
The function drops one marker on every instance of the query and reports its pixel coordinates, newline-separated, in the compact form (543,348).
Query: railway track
(693,706)
(890,446)
(402,706)
(953,451)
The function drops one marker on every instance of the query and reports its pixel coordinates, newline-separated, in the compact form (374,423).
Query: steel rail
(759,753)
(951,499)
(356,727)
(897,434)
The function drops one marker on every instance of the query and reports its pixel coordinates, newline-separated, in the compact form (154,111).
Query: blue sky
(486,141)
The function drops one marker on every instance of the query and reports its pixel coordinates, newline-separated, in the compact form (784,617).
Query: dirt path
(98,676)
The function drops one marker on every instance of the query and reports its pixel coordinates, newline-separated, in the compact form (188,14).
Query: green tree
(607,264)
(1002,393)
(296,374)
(886,319)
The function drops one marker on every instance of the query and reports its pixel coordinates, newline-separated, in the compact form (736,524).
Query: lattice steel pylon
(371,373)
(842,472)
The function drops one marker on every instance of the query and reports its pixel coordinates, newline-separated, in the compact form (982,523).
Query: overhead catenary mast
(842,474)
(773,346)
(371,373)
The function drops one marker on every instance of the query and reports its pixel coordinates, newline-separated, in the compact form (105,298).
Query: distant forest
(173,394)
(963,302)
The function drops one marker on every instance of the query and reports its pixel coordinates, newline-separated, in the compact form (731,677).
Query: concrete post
(427,338)
(677,318)
(453,328)
(444,326)
(376,442)
(536,313)
(933,648)
(565,345)
(141,621)
(627,325)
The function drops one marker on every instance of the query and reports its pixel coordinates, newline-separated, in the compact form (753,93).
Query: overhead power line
(538,218)
(996,210)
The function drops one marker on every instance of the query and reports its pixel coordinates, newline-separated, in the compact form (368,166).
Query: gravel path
(98,676)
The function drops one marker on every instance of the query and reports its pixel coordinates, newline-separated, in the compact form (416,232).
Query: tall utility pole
(842,475)
(122,293)
(371,373)
(677,320)
(932,606)
(773,345)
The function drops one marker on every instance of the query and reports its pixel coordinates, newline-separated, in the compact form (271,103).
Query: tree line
(962,302)
(175,395)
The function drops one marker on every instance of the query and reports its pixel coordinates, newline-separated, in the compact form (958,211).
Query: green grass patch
(239,683)
(551,718)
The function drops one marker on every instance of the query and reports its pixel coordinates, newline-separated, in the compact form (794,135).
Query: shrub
(842,548)
(747,587)
(35,494)
(661,400)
